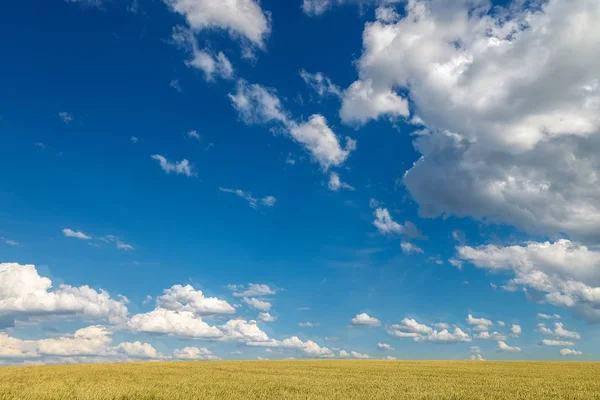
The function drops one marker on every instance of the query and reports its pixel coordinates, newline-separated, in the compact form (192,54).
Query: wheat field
(305,380)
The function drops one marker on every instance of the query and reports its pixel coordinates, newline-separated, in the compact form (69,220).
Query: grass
(305,380)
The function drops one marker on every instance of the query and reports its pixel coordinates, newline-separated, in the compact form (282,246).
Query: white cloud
(444,336)
(501,323)
(24,294)
(546,316)
(410,328)
(75,234)
(510,99)
(490,336)
(213,65)
(90,344)
(320,84)
(567,273)
(119,244)
(516,330)
(66,117)
(176,85)
(410,248)
(384,346)
(182,167)
(503,347)
(363,102)
(481,324)
(358,355)
(241,18)
(344,354)
(318,7)
(133,139)
(173,323)
(194,353)
(259,105)
(253,289)
(561,332)
(570,352)
(246,332)
(321,141)
(561,343)
(456,263)
(16,348)
(186,298)
(476,354)
(257,304)
(308,324)
(267,201)
(138,350)
(385,224)
(266,317)
(193,135)
(336,184)
(13,243)
(365,320)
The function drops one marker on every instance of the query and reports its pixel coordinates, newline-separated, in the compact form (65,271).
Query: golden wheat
(305,380)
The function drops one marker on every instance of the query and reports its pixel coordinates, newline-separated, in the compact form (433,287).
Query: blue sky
(383,178)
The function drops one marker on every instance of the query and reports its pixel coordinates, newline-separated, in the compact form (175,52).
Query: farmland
(305,380)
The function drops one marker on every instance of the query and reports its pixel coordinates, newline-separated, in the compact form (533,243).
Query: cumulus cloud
(266,317)
(363,102)
(213,65)
(547,316)
(241,18)
(365,319)
(173,323)
(182,167)
(503,347)
(490,336)
(24,294)
(516,330)
(480,324)
(510,99)
(90,344)
(566,272)
(194,353)
(570,352)
(410,328)
(561,343)
(384,346)
(259,105)
(253,289)
(186,298)
(253,202)
(75,234)
(257,304)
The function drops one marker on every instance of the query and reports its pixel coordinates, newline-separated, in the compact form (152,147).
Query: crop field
(305,380)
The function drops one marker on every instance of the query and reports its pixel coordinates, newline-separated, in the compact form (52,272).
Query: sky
(308,179)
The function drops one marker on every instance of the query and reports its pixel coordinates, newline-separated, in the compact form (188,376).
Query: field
(305,380)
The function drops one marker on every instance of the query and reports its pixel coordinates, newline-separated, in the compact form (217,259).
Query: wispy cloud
(267,201)
(182,167)
(75,234)
(66,117)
